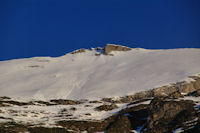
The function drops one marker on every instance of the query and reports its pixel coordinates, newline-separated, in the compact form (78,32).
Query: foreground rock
(123,122)
(161,115)
(166,116)
(149,115)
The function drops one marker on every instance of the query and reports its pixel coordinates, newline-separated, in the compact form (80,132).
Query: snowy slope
(86,76)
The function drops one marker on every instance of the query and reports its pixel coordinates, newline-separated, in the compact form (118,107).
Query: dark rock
(109,100)
(47,130)
(45,103)
(4,97)
(88,126)
(4,103)
(65,102)
(106,107)
(137,115)
(34,66)
(126,99)
(195,129)
(73,109)
(138,101)
(87,105)
(121,125)
(12,127)
(122,122)
(166,115)
(175,94)
(195,93)
(95,101)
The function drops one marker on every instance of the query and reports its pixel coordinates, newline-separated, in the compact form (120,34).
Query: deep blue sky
(54,27)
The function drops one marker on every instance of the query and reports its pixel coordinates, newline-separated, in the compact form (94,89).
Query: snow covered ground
(87,76)
(43,115)
(49,115)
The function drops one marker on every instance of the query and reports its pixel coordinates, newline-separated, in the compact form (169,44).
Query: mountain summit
(84,75)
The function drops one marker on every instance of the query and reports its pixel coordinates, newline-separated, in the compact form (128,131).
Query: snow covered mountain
(114,90)
(88,75)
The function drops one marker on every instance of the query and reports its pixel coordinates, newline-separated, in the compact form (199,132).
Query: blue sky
(54,27)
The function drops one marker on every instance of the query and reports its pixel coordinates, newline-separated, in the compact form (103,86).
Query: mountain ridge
(88,76)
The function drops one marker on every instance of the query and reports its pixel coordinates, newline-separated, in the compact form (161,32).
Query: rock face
(172,91)
(111,47)
(122,124)
(166,116)
(182,87)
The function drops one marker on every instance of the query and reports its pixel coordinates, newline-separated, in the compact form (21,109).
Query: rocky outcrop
(162,115)
(172,91)
(189,87)
(122,124)
(167,115)
(182,87)
(107,50)
(78,51)
(111,47)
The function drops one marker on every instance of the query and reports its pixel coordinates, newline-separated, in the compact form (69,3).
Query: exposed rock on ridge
(111,47)
(78,51)
(106,50)
(173,90)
